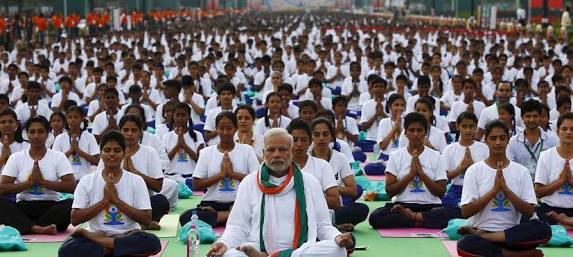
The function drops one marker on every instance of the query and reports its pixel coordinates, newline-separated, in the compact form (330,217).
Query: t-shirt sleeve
(210,121)
(97,126)
(141,198)
(93,147)
(83,192)
(353,127)
(469,190)
(63,165)
(392,165)
(328,179)
(155,170)
(366,113)
(200,140)
(11,168)
(252,161)
(483,119)
(202,164)
(542,169)
(440,170)
(528,191)
(56,146)
(345,171)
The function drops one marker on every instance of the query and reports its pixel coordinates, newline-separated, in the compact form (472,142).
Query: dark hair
(508,107)
(424,80)
(308,103)
(496,124)
(339,99)
(65,79)
(379,80)
(467,116)
(266,117)
(285,87)
(393,98)
(113,136)
(38,119)
(469,81)
(323,120)
(131,118)
(186,107)
(111,91)
(18,134)
(80,111)
(173,83)
(226,115)
(169,103)
(299,123)
(314,82)
(430,103)
(62,116)
(141,112)
(248,108)
(5,98)
(563,100)
(226,86)
(134,89)
(415,117)
(563,117)
(531,105)
(34,85)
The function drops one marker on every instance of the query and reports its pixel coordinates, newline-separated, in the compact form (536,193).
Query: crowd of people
(266,112)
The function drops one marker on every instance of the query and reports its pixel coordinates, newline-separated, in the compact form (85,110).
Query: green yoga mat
(169,224)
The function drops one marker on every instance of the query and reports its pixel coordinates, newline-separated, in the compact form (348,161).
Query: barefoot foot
(154,225)
(251,251)
(404,212)
(45,230)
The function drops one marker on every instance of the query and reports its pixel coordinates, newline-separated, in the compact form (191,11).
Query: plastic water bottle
(376,152)
(193,237)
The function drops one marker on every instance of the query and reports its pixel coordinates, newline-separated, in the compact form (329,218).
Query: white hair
(278,132)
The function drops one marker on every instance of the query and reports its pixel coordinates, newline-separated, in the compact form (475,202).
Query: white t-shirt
(384,128)
(155,142)
(23,111)
(15,147)
(53,166)
(399,165)
(87,143)
(454,154)
(182,163)
(57,99)
(100,122)
(459,106)
(261,127)
(258,143)
(321,170)
(340,166)
(491,113)
(149,112)
(198,100)
(146,161)
(549,167)
(93,107)
(244,161)
(436,137)
(499,214)
(112,221)
(411,105)
(368,111)
(351,126)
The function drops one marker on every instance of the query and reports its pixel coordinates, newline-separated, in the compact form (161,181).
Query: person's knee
(362,211)
(470,245)
(378,218)
(543,228)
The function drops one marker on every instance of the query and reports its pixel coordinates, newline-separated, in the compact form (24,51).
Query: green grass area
(377,246)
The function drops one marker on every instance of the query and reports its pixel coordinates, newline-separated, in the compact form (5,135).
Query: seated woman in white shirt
(496,194)
(167,114)
(37,176)
(78,145)
(113,205)
(182,144)
(245,119)
(350,212)
(388,138)
(459,156)
(221,181)
(11,139)
(58,125)
(554,179)
(507,115)
(435,137)
(415,179)
(273,117)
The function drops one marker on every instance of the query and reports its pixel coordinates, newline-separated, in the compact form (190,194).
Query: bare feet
(44,230)
(251,251)
(527,253)
(466,230)
(348,227)
(404,211)
(154,225)
(207,208)
(556,216)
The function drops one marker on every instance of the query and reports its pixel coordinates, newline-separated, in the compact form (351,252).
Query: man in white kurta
(242,232)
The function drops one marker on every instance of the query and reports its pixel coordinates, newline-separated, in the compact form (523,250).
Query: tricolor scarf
(301,218)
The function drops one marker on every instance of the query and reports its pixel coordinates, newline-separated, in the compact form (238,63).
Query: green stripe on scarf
(301,200)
